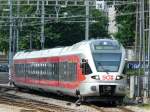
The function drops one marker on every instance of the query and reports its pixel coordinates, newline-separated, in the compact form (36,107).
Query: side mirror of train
(85,67)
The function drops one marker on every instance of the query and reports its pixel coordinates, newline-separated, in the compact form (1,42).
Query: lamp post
(10,40)
(42,25)
(87,20)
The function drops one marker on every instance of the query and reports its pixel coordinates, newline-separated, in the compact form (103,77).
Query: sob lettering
(107,77)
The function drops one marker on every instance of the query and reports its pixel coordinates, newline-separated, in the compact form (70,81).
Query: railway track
(35,106)
(39,106)
(111,109)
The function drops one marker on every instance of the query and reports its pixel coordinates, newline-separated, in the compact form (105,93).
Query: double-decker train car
(91,70)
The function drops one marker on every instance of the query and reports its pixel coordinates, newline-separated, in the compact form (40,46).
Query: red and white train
(91,70)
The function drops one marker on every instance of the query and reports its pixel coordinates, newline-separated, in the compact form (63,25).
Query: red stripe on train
(71,58)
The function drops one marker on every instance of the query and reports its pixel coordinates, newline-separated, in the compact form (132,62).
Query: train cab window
(85,67)
(107,62)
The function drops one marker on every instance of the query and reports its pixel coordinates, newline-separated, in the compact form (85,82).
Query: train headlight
(119,77)
(96,77)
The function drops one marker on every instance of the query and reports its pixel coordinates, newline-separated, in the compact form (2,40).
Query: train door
(68,70)
(64,72)
(75,68)
(81,69)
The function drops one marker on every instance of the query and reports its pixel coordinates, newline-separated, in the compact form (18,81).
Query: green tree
(126,23)
(57,32)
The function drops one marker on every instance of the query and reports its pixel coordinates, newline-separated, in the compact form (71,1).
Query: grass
(146,106)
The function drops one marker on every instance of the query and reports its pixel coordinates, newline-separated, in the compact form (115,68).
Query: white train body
(96,73)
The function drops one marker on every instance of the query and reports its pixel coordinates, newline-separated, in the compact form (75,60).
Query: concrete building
(110,11)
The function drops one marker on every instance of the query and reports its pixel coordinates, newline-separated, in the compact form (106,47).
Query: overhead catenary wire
(50,19)
(68,17)
(65,3)
(36,17)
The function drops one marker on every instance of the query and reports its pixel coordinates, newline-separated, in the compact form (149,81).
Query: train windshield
(107,62)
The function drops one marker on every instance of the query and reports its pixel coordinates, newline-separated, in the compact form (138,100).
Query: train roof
(77,48)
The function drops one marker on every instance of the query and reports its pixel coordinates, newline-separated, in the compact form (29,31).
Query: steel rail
(10,99)
(111,109)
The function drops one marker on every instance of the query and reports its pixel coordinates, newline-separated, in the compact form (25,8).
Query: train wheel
(80,101)
(13,85)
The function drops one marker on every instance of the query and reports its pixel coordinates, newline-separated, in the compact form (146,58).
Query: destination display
(105,47)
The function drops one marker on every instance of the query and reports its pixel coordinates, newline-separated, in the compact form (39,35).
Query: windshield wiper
(105,70)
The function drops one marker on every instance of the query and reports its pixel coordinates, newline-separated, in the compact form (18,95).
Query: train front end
(105,80)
